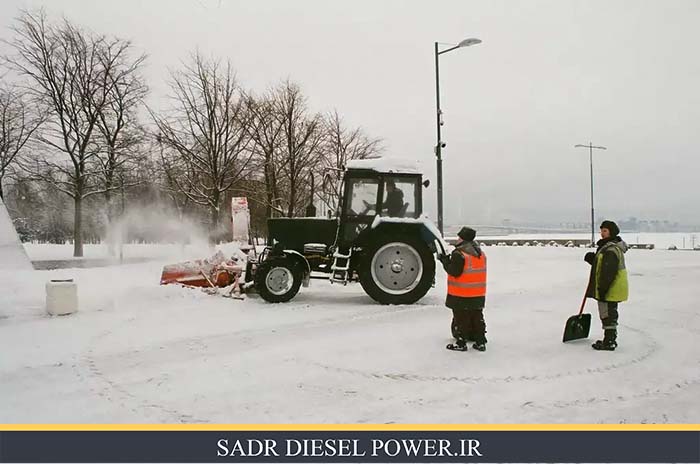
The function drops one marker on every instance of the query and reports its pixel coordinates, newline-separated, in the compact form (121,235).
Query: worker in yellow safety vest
(608,281)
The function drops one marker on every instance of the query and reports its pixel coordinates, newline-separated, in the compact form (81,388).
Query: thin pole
(590,148)
(438,146)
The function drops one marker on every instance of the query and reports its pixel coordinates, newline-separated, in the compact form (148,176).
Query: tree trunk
(109,185)
(275,189)
(215,212)
(268,193)
(292,199)
(111,248)
(78,227)
(216,200)
(214,218)
(2,197)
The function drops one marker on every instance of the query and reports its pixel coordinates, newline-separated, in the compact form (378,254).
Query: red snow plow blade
(216,271)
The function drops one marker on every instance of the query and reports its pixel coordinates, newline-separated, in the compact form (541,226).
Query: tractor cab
(368,193)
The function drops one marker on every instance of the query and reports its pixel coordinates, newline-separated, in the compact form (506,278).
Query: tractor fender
(429,233)
(307,267)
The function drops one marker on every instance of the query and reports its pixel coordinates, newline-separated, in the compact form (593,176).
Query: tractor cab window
(399,197)
(362,197)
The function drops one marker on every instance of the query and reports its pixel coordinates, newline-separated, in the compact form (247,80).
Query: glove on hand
(589,257)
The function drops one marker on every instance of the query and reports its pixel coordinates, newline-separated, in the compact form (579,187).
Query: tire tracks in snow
(669,390)
(114,392)
(394,376)
(247,336)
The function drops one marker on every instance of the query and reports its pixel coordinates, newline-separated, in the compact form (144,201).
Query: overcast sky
(548,75)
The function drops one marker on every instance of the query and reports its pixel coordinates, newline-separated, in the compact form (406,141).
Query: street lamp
(590,147)
(440,144)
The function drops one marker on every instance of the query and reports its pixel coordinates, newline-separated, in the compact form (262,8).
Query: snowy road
(138,352)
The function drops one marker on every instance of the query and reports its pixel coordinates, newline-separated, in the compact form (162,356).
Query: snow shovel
(578,326)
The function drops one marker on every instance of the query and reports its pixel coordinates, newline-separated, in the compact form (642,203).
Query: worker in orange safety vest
(466,291)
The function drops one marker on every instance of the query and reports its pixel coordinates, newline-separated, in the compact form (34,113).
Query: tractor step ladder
(340,269)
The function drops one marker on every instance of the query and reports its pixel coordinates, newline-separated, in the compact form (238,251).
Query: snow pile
(12,254)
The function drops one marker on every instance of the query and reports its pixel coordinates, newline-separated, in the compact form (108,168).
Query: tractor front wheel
(278,279)
(397,270)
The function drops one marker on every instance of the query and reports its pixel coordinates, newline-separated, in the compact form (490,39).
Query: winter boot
(479,342)
(479,346)
(459,345)
(608,343)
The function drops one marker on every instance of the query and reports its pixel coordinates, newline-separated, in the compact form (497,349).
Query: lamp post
(590,147)
(440,144)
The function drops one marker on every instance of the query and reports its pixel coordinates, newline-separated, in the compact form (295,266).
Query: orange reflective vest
(472,282)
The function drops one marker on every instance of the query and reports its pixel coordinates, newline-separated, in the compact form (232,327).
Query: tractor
(378,238)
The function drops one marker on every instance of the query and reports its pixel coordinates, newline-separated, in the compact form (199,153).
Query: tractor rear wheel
(278,279)
(397,269)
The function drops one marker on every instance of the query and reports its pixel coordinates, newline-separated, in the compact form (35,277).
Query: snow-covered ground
(139,352)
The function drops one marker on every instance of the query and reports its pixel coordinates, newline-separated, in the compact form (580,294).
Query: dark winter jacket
(609,267)
(394,203)
(454,266)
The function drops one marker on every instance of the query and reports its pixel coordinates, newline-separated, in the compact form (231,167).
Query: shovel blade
(577,327)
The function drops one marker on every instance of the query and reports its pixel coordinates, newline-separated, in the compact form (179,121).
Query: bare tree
(293,146)
(206,130)
(340,146)
(299,150)
(122,136)
(265,131)
(69,71)
(171,171)
(17,125)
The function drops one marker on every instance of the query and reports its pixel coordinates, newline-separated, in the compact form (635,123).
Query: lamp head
(469,42)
